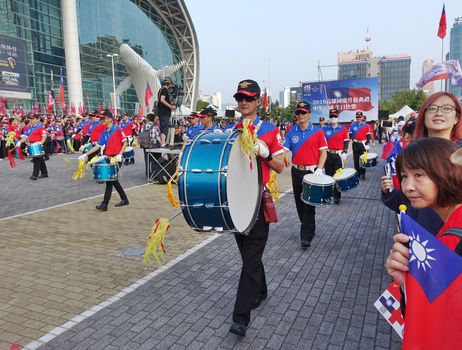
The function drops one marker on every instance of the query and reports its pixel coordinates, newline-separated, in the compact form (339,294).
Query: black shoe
(42,176)
(122,203)
(102,207)
(336,200)
(305,244)
(239,328)
(258,301)
(126,162)
(33,177)
(363,176)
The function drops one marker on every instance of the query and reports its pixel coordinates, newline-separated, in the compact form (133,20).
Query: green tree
(200,105)
(413,98)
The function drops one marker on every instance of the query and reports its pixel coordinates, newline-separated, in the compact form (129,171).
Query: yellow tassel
(69,146)
(338,172)
(364,158)
(95,160)
(273,186)
(135,143)
(248,138)
(172,199)
(155,243)
(113,161)
(10,139)
(80,172)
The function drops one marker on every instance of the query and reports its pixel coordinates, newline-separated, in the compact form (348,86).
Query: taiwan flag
(442,25)
(350,99)
(147,95)
(433,288)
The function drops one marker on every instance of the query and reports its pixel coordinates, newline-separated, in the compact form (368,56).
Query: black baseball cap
(303,107)
(359,114)
(249,88)
(106,114)
(333,112)
(322,118)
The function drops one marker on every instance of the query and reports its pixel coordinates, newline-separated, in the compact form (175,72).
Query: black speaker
(230,113)
(383,114)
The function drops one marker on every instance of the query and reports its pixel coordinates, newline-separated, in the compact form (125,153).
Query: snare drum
(219,187)
(318,190)
(129,153)
(372,160)
(103,171)
(35,150)
(347,179)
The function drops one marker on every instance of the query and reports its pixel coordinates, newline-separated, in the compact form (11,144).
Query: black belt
(305,167)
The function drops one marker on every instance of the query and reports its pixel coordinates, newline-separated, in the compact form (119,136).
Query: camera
(176,94)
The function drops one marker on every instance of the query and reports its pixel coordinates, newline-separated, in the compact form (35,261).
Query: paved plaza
(70,282)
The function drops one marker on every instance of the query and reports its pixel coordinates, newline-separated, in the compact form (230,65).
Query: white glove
(366,147)
(343,156)
(261,149)
(73,136)
(319,172)
(83,157)
(119,158)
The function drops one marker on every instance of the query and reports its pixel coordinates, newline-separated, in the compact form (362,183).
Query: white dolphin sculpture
(141,74)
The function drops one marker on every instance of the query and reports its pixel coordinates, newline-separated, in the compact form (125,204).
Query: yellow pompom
(364,158)
(402,207)
(10,139)
(273,186)
(155,244)
(248,138)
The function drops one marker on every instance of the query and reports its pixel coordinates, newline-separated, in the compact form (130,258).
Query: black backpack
(144,138)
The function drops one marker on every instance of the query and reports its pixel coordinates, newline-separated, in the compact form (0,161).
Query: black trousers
(3,150)
(252,282)
(114,184)
(333,163)
(306,212)
(39,166)
(358,150)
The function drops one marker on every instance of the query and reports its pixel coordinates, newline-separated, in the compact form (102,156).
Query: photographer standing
(165,109)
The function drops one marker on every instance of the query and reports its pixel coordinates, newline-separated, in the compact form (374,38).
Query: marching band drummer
(36,133)
(309,152)
(195,126)
(207,115)
(114,142)
(252,288)
(128,127)
(337,144)
(360,134)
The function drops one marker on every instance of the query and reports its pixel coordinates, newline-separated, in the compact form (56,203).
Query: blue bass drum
(103,171)
(219,187)
(35,150)
(347,179)
(371,161)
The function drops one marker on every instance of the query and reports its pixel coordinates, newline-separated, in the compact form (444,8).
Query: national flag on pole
(265,101)
(442,27)
(444,70)
(3,105)
(43,109)
(100,107)
(433,288)
(36,107)
(147,95)
(61,90)
(51,102)
(72,109)
(21,111)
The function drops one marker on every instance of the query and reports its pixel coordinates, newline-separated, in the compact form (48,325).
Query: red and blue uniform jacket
(36,133)
(96,129)
(336,137)
(127,127)
(268,133)
(305,145)
(112,140)
(359,132)
(194,130)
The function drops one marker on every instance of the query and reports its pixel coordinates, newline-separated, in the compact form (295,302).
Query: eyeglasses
(444,108)
(241,98)
(300,113)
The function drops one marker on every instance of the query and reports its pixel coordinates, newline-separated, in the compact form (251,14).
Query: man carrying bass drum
(252,289)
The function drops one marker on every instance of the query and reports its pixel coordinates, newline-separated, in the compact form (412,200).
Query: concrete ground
(69,282)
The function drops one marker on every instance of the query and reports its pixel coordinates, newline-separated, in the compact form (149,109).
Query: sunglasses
(300,113)
(241,98)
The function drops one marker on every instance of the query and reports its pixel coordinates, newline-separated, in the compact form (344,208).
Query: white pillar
(72,52)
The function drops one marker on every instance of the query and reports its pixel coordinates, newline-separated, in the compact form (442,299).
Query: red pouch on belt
(269,209)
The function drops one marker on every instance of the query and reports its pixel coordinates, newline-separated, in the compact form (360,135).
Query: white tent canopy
(405,112)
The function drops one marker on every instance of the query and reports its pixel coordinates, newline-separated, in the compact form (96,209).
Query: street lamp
(113,80)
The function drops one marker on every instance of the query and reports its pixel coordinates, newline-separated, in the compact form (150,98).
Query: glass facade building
(103,25)
(455,51)
(353,70)
(395,76)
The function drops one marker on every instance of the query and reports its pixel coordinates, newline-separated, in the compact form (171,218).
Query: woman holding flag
(431,272)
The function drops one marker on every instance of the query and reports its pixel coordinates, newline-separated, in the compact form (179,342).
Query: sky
(279,43)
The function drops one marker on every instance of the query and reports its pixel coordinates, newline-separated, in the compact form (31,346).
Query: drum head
(128,149)
(346,173)
(318,180)
(243,185)
(372,155)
